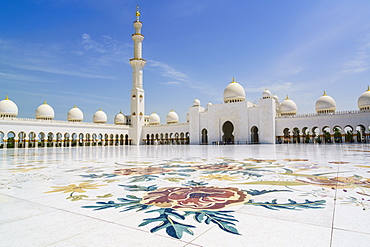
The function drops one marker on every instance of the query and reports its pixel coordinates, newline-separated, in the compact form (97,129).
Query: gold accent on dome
(75,106)
(233,80)
(368,88)
(6,97)
(324,93)
(287,98)
(45,102)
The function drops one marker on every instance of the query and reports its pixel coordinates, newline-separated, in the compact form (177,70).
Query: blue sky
(76,52)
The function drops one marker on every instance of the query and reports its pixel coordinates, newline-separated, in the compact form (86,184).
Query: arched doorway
(254,135)
(227,129)
(204,136)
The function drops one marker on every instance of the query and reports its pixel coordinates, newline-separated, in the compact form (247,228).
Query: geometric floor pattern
(243,195)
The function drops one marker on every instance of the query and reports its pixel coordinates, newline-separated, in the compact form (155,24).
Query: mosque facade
(235,121)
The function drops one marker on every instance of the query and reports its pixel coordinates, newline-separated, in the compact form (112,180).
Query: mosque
(235,121)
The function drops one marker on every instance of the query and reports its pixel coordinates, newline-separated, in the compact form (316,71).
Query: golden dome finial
(233,80)
(287,98)
(75,106)
(6,97)
(368,88)
(137,12)
(324,93)
(45,102)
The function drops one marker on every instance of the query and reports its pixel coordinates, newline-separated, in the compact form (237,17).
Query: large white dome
(45,111)
(154,118)
(75,115)
(325,104)
(234,92)
(100,117)
(364,100)
(196,102)
(120,118)
(8,108)
(172,117)
(288,107)
(266,94)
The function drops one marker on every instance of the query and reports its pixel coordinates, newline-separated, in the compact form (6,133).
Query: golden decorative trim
(137,59)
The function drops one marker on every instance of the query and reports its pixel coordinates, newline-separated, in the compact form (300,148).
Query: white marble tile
(352,212)
(110,234)
(44,229)
(16,209)
(265,232)
(343,238)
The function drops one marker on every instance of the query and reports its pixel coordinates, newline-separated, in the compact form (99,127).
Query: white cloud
(360,62)
(169,83)
(22,77)
(275,87)
(86,59)
(167,71)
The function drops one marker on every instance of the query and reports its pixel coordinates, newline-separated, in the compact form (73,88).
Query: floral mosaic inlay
(177,195)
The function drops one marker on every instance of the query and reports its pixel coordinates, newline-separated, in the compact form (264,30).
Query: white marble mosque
(235,121)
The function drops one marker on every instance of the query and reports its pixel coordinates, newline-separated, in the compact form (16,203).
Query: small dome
(154,119)
(45,111)
(266,94)
(288,107)
(187,117)
(75,115)
(325,104)
(120,118)
(196,102)
(8,108)
(234,92)
(363,101)
(275,97)
(208,105)
(172,117)
(100,117)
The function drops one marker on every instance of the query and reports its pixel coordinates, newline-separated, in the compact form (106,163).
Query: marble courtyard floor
(247,195)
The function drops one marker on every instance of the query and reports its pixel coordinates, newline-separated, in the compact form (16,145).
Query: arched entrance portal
(254,135)
(204,137)
(227,129)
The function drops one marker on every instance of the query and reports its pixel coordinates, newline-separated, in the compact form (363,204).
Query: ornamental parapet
(166,125)
(11,119)
(325,114)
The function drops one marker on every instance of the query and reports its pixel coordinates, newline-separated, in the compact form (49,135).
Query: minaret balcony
(140,59)
(137,34)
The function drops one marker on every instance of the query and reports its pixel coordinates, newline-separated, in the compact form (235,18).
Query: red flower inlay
(195,198)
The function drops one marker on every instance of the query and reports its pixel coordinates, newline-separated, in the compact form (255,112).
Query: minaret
(137,92)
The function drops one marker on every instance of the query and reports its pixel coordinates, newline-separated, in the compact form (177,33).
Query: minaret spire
(137,92)
(137,13)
